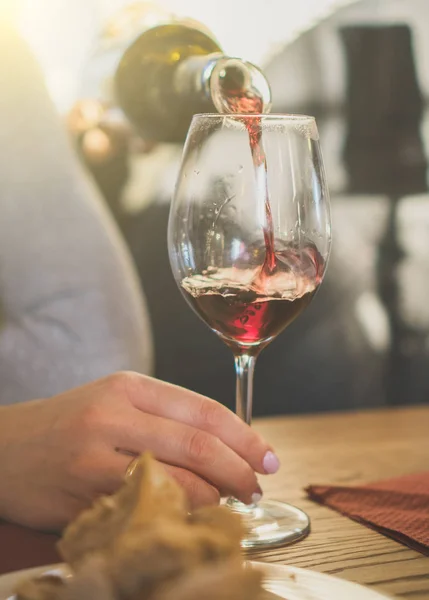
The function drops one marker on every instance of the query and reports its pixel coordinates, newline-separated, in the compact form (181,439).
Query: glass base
(270,523)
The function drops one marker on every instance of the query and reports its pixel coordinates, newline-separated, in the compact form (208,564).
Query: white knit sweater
(71,307)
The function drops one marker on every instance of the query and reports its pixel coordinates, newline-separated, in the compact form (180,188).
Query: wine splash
(248,310)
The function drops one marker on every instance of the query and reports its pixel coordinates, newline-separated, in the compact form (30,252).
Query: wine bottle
(160,70)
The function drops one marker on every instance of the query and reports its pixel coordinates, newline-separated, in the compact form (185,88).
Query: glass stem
(244,368)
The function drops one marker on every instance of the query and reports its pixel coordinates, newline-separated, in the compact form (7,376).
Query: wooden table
(349,449)
(345,449)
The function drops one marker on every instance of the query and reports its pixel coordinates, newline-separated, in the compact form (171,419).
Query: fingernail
(271,463)
(257,496)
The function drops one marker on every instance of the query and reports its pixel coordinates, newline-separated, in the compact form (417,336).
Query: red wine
(248,310)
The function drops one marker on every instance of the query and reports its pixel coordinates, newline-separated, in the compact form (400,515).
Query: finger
(97,472)
(179,404)
(111,470)
(193,449)
(198,491)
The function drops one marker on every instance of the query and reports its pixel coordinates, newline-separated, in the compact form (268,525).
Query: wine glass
(249,240)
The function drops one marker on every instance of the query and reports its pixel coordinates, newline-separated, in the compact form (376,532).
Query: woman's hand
(57,455)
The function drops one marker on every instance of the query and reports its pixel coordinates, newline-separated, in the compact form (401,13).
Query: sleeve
(71,309)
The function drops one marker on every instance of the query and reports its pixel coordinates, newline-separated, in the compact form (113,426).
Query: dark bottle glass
(160,71)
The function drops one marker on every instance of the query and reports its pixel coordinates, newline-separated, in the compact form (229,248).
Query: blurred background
(362,68)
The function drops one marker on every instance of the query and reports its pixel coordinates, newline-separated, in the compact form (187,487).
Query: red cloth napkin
(22,548)
(398,508)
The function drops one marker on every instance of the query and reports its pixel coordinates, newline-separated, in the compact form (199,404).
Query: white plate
(290,583)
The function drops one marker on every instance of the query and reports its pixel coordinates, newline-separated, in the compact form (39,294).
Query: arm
(71,308)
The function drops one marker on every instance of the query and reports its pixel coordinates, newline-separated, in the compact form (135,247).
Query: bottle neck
(212,82)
